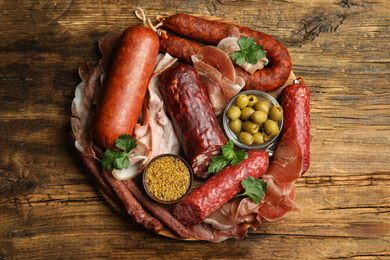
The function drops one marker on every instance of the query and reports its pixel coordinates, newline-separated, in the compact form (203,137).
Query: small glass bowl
(231,135)
(146,186)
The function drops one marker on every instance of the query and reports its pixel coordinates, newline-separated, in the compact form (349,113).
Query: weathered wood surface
(50,207)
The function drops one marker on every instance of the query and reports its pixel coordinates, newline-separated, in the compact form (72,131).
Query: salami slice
(193,119)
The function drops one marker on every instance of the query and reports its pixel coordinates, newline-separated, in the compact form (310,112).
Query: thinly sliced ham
(218,75)
(280,195)
(230,45)
(154,133)
(203,231)
(82,106)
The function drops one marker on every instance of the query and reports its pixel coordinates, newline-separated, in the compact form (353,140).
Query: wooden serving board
(165,231)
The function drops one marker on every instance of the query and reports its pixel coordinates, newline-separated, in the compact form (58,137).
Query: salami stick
(192,116)
(157,210)
(273,76)
(219,189)
(295,101)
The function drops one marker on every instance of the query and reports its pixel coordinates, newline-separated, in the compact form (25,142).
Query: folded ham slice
(230,45)
(218,75)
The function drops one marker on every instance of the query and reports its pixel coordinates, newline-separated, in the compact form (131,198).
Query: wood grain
(50,207)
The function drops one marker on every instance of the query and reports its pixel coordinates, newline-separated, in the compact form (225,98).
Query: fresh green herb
(228,156)
(118,159)
(250,51)
(254,188)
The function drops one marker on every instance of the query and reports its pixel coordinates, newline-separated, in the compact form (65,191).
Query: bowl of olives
(253,119)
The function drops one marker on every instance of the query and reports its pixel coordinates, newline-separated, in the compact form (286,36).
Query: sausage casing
(125,87)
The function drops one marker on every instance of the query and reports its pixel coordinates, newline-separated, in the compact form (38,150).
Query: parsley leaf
(217,163)
(228,156)
(118,159)
(250,51)
(254,188)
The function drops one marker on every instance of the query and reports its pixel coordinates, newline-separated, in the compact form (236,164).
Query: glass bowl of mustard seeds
(167,178)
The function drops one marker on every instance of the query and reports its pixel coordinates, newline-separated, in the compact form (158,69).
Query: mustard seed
(167,178)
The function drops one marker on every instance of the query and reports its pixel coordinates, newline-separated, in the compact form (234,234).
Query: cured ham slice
(205,232)
(230,45)
(82,107)
(279,198)
(218,75)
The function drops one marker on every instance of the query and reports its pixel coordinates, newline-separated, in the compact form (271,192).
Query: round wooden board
(165,231)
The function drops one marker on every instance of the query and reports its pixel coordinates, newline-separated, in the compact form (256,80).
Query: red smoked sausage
(295,101)
(273,76)
(125,86)
(219,189)
(193,118)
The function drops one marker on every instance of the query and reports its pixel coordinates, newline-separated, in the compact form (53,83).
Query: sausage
(219,189)
(295,101)
(157,210)
(125,87)
(192,116)
(134,209)
(178,47)
(273,76)
(95,170)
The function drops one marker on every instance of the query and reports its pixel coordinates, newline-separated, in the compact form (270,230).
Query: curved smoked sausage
(125,87)
(273,76)
(219,189)
(193,118)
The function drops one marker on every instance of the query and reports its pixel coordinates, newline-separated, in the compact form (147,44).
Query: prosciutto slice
(279,198)
(218,75)
(230,45)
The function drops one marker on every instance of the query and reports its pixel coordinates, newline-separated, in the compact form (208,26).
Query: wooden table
(52,209)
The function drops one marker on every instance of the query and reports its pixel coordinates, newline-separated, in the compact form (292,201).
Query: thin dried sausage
(157,210)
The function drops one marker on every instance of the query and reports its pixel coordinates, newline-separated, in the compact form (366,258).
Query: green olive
(235,125)
(276,113)
(242,101)
(245,138)
(252,100)
(246,113)
(262,106)
(259,117)
(258,138)
(266,137)
(250,127)
(271,127)
(233,113)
